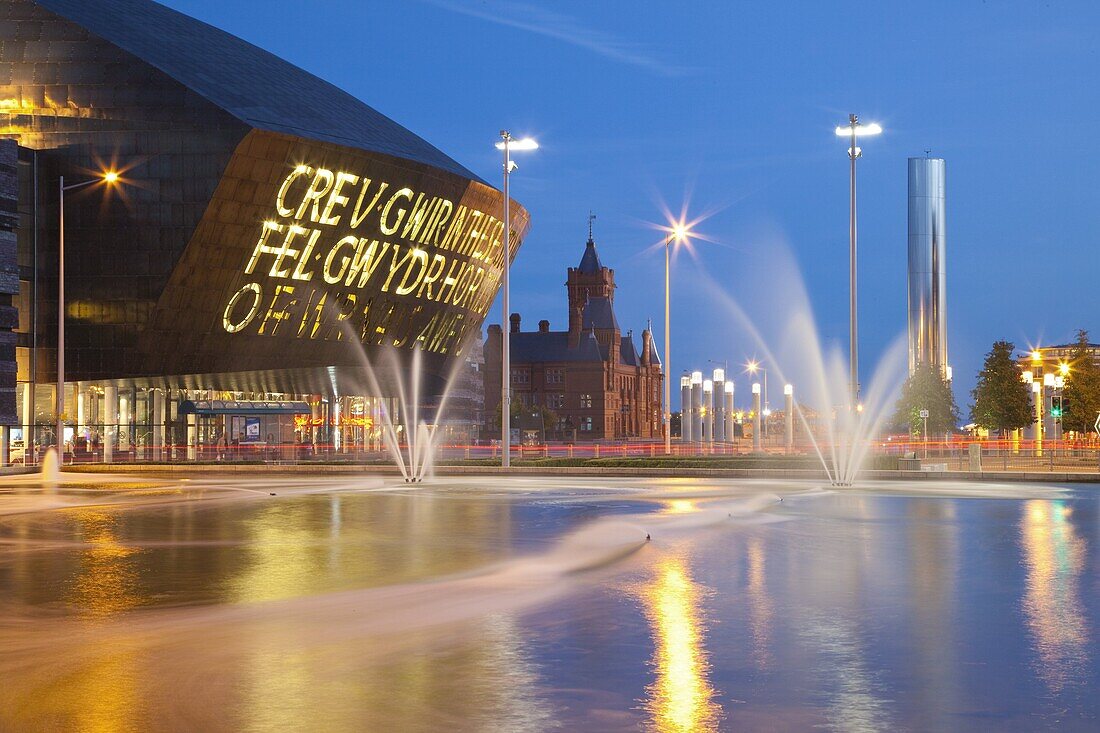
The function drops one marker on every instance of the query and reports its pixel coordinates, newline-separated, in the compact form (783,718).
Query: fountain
(822,375)
(50,473)
(416,457)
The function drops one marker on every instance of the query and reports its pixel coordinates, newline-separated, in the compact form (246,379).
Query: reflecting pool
(535,604)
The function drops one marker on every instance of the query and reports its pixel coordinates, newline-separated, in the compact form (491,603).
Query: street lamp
(853,130)
(110,178)
(677,233)
(507,144)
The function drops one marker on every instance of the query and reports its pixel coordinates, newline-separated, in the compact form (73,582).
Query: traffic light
(1055,411)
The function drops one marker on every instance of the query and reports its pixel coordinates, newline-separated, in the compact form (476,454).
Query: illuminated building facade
(265,224)
(592,377)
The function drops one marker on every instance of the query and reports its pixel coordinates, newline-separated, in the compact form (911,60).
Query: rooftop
(253,85)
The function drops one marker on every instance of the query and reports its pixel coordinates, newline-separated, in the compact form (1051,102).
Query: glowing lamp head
(871,128)
(523,143)
(678,232)
(766,412)
(788,389)
(756,387)
(1063,369)
(110,176)
(752,366)
(1036,356)
(859,407)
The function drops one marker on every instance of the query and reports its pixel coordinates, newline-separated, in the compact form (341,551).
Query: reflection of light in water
(681,698)
(283,554)
(845,677)
(106,582)
(760,603)
(680,506)
(1054,555)
(101,693)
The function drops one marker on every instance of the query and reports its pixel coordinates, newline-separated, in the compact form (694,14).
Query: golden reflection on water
(681,698)
(680,506)
(1054,554)
(102,692)
(107,581)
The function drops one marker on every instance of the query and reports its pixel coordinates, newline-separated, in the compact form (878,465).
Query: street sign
(1096,425)
(924,415)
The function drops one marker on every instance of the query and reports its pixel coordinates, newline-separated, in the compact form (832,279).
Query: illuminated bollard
(756,417)
(708,411)
(728,412)
(719,405)
(696,406)
(685,408)
(788,391)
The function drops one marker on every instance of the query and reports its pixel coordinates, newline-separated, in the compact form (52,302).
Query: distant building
(1047,359)
(593,377)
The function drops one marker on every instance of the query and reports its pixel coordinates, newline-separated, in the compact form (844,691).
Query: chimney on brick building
(514,318)
(544,326)
(576,314)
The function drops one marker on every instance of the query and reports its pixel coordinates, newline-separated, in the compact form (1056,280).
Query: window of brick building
(586,401)
(555,376)
(586,424)
(520,376)
(555,401)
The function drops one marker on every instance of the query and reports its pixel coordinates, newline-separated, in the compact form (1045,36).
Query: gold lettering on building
(396,265)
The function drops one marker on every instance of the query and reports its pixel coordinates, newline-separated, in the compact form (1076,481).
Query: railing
(989,456)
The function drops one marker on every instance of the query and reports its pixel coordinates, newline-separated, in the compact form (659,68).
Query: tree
(549,417)
(1002,400)
(1081,396)
(926,389)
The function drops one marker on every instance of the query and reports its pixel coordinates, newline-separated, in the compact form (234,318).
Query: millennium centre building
(266,233)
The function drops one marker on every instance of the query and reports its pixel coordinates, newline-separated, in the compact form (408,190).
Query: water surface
(537,604)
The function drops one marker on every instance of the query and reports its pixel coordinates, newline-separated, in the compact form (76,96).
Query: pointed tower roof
(590,260)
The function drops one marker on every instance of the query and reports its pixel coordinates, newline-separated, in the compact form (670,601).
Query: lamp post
(853,130)
(675,234)
(109,177)
(507,144)
(1060,385)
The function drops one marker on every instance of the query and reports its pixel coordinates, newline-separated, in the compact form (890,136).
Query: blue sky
(642,105)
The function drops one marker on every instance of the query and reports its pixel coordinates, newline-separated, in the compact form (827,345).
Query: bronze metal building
(265,225)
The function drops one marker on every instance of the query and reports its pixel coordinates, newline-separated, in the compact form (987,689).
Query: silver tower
(927,263)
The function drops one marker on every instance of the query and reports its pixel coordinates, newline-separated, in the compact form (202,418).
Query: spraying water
(409,437)
(51,466)
(847,427)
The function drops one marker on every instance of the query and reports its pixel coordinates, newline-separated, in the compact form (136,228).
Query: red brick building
(593,377)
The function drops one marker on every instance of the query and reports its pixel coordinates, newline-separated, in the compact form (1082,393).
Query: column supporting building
(110,422)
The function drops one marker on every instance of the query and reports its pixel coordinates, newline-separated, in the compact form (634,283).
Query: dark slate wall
(9,276)
(87,105)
